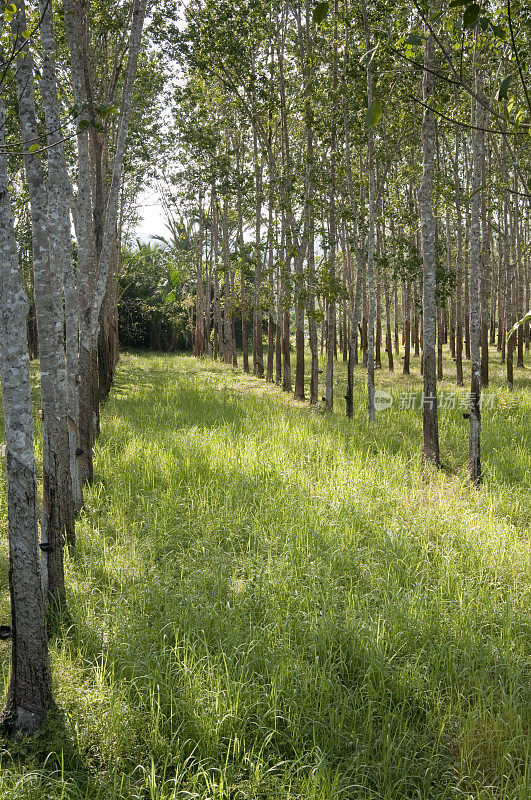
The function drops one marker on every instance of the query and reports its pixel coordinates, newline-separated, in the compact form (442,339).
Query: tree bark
(29,695)
(459,269)
(258,347)
(474,457)
(430,427)
(62,271)
(57,500)
(371,409)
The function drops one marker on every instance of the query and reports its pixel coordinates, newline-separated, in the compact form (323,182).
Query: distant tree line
(355,175)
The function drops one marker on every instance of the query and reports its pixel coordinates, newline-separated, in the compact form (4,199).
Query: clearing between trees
(268,602)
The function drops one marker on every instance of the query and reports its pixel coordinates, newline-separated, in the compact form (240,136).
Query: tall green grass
(267,602)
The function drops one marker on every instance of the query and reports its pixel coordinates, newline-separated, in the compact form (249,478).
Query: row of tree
(68,86)
(362,167)
(349,172)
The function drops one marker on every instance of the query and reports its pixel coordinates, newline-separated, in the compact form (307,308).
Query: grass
(267,602)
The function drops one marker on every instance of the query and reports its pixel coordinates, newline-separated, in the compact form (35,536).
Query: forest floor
(268,602)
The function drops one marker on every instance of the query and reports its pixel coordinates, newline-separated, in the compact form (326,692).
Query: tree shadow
(207,643)
(213,596)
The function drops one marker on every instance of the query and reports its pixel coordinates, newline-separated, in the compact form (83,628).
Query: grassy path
(269,603)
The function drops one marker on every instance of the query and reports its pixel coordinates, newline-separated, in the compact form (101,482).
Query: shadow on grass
(49,765)
(309,670)
(232,633)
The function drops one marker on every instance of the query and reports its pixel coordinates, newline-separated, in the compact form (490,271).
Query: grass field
(267,602)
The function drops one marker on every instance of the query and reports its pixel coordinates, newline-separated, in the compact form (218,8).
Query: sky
(152,219)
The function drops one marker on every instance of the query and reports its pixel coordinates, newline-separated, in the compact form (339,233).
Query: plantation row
(236,597)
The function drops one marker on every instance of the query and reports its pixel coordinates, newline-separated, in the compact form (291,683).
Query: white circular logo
(382,400)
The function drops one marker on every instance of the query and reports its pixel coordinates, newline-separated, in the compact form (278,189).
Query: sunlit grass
(267,602)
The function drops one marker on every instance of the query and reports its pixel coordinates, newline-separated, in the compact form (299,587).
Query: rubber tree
(57,498)
(59,190)
(29,694)
(96,225)
(430,426)
(372,114)
(474,457)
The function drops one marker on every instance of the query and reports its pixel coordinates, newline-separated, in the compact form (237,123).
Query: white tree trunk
(29,694)
(430,427)
(61,260)
(95,236)
(474,456)
(57,494)
(371,235)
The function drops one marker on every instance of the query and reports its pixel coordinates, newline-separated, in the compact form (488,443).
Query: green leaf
(498,31)
(83,124)
(106,111)
(504,88)
(374,114)
(471,15)
(34,148)
(414,39)
(456,3)
(320,11)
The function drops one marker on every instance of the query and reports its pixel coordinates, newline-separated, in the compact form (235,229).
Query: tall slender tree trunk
(309,220)
(96,231)
(430,427)
(378,339)
(509,319)
(449,263)
(271,311)
(440,342)
(459,268)
(218,322)
(79,365)
(57,501)
(396,315)
(62,276)
(474,458)
(107,341)
(519,283)
(331,310)
(371,234)
(258,346)
(485,272)
(356,300)
(407,327)
(278,325)
(29,694)
(200,302)
(241,248)
(493,293)
(388,334)
(415,333)
(501,288)
(228,331)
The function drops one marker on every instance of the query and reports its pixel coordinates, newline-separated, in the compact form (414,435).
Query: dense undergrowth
(267,602)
